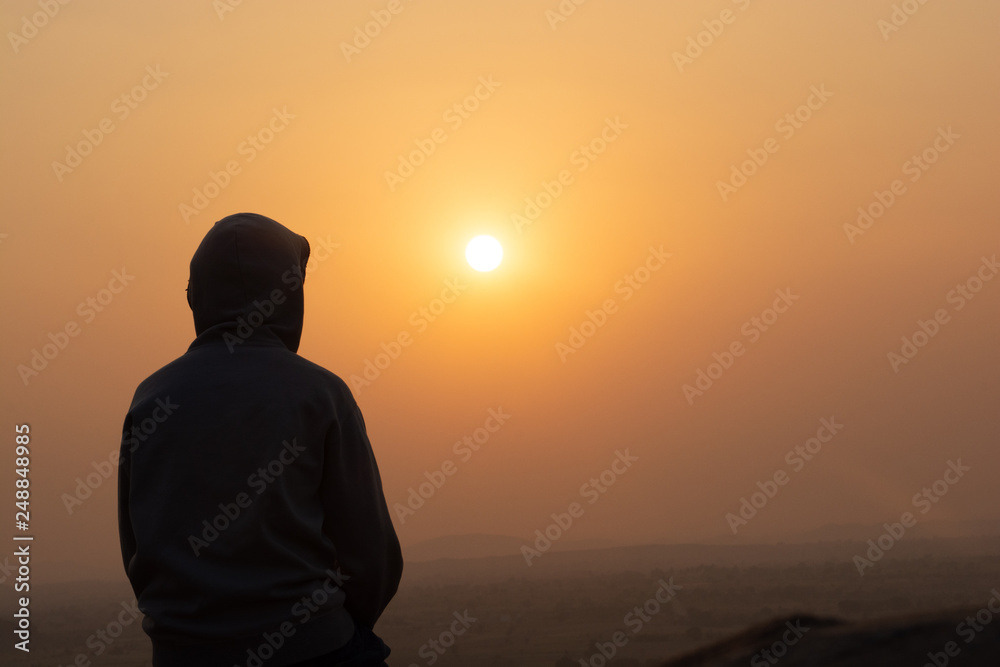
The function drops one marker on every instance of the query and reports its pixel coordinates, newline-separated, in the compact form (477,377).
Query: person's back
(253,525)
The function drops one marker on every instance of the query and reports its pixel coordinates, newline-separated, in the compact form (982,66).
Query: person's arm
(125,534)
(357,519)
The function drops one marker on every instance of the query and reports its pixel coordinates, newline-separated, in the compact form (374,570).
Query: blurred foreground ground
(729,603)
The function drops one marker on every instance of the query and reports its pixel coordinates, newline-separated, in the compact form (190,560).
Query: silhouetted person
(253,526)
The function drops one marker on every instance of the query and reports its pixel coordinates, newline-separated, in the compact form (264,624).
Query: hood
(246,280)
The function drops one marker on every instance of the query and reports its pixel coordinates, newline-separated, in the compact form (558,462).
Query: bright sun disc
(484,253)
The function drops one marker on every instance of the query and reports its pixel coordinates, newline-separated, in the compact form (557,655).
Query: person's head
(246,280)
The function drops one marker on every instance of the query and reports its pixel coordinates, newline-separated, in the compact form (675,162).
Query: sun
(484,253)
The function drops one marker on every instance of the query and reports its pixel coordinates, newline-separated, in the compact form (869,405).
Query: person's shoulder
(161,373)
(323,375)
(297,371)
(156,382)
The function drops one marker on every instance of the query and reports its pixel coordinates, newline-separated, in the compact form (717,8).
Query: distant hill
(489,546)
(462,546)
(835,532)
(485,546)
(645,558)
(438,557)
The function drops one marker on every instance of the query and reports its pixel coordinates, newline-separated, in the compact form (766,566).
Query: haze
(600,150)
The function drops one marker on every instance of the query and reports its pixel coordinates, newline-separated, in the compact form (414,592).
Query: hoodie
(252,521)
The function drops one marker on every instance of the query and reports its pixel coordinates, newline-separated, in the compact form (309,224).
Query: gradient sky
(345,119)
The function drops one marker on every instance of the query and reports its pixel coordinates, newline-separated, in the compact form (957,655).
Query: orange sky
(641,134)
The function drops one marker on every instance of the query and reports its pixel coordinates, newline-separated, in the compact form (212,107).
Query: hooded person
(251,516)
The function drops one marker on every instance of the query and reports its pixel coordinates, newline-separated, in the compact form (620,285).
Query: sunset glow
(742,254)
